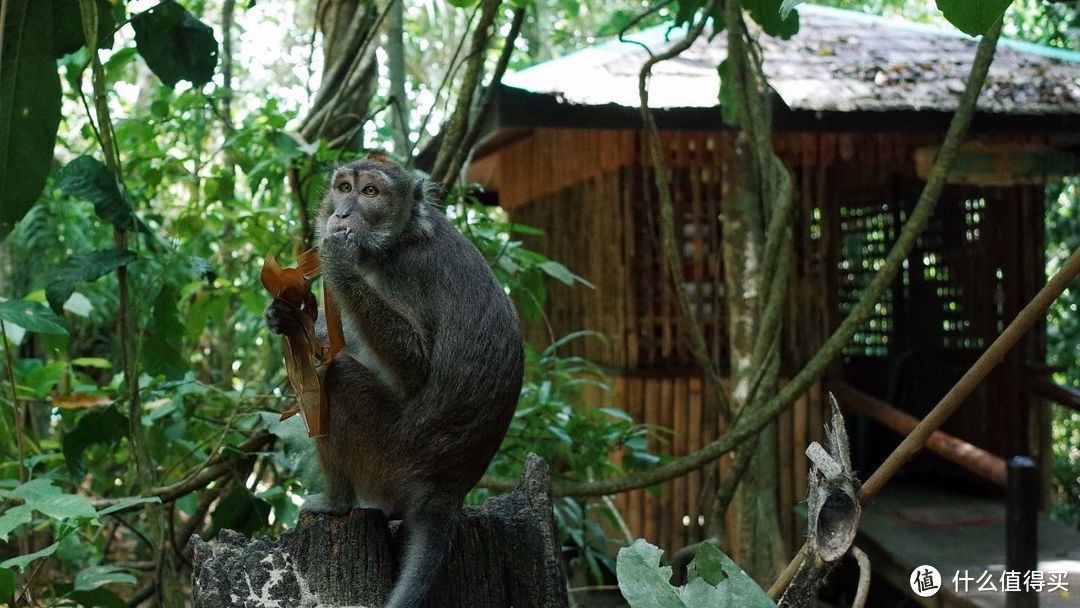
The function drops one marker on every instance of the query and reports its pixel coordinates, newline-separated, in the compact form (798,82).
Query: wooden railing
(1058,393)
(956,450)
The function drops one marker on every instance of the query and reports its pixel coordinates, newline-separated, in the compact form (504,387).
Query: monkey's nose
(342,213)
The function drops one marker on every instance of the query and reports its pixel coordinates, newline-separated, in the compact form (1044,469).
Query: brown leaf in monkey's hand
(286,283)
(291,285)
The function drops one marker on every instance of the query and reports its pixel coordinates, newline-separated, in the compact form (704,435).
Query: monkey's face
(367,206)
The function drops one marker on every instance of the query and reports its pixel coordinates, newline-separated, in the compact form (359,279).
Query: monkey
(424,390)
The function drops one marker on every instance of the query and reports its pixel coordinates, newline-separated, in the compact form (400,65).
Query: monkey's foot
(318,503)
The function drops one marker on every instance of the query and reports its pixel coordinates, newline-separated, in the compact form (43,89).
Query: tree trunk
(506,554)
(759,550)
(349,30)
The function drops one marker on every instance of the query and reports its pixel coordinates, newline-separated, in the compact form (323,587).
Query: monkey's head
(371,204)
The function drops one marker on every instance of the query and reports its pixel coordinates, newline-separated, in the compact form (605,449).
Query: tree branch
(458,123)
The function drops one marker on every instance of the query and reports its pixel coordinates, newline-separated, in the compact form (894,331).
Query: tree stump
(506,554)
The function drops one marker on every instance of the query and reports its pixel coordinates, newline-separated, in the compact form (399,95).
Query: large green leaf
(32,316)
(42,496)
(644,583)
(175,44)
(96,576)
(973,17)
(127,503)
(68,30)
(84,268)
(29,107)
(99,426)
(163,349)
(89,179)
(714,581)
(22,561)
(767,14)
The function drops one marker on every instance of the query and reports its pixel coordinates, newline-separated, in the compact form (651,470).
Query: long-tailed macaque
(423,392)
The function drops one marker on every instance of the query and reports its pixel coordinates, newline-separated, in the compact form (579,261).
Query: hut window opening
(866,234)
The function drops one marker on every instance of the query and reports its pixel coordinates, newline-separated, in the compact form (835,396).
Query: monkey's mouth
(342,230)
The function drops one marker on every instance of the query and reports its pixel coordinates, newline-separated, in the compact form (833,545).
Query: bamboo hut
(860,103)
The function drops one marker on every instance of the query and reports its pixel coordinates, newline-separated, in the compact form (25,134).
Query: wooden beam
(982,163)
(955,450)
(1058,393)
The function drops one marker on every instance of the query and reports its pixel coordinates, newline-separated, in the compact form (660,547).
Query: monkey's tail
(431,534)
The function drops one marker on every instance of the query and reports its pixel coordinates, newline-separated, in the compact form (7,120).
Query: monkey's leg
(431,526)
(361,406)
(339,495)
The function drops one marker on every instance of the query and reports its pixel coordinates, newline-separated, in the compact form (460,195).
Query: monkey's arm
(391,331)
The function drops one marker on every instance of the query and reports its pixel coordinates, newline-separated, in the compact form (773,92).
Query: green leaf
(97,426)
(84,268)
(88,179)
(32,316)
(772,19)
(7,585)
(21,562)
(68,30)
(708,564)
(642,580)
(175,44)
(127,503)
(163,352)
(714,581)
(29,107)
(96,576)
(241,511)
(41,495)
(13,518)
(973,17)
(558,271)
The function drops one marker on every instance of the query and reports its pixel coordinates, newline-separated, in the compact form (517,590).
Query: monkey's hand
(339,256)
(282,316)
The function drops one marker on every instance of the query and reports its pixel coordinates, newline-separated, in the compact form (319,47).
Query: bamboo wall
(672,515)
(593,194)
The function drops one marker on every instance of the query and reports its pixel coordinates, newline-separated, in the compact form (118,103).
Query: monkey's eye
(369,190)
(344,187)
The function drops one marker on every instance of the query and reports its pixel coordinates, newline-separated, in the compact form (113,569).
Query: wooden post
(1021,527)
(506,554)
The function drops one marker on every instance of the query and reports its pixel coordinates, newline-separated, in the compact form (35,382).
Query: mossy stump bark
(507,554)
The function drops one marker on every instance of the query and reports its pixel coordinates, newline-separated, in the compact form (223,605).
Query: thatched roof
(840,61)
